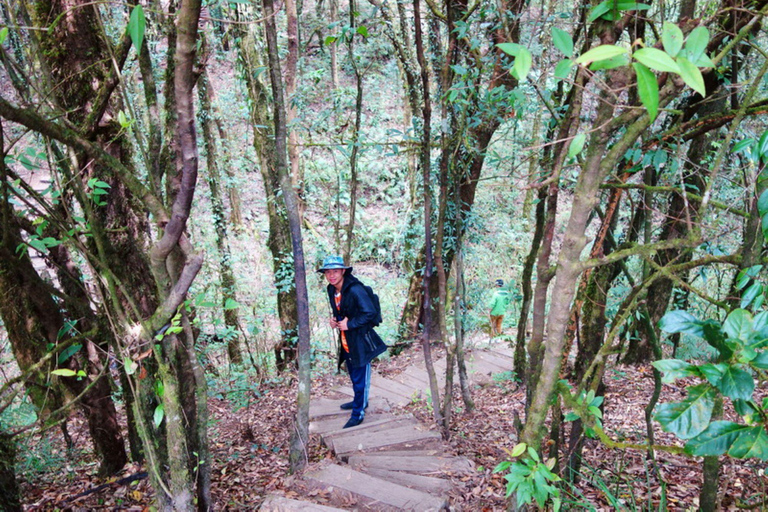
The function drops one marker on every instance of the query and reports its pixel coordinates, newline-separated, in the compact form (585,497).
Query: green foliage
(136,26)
(740,341)
(530,478)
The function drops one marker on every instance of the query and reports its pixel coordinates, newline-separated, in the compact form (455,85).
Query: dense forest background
(173,173)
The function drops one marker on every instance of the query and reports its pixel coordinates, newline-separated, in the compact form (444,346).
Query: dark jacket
(356,305)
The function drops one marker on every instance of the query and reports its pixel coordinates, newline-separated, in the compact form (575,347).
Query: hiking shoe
(347,406)
(353,422)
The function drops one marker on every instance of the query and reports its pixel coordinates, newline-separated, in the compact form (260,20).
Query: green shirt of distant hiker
(499,302)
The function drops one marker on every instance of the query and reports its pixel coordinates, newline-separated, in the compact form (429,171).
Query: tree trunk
(9,490)
(300,432)
(213,177)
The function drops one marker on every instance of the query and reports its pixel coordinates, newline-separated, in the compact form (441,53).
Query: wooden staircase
(391,462)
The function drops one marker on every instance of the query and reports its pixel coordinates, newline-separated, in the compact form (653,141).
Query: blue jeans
(361,384)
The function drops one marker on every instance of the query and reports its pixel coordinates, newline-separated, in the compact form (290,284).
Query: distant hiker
(498,305)
(355,311)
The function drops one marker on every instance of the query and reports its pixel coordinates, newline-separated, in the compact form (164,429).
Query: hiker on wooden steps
(355,312)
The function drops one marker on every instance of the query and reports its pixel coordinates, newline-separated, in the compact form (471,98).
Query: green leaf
(562,41)
(713,372)
(330,40)
(738,325)
(69,352)
(747,274)
(752,442)
(715,440)
(159,415)
(674,369)
(688,418)
(231,304)
(522,65)
(680,321)
(3,34)
(692,76)
(362,30)
(672,38)
(130,366)
(760,361)
(64,372)
(577,144)
(647,89)
(656,59)
(750,293)
(696,43)
(512,49)
(612,63)
(136,26)
(599,10)
(737,384)
(518,450)
(563,68)
(762,146)
(602,52)
(742,145)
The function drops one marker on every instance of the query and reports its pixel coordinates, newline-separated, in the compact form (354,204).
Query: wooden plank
(480,367)
(378,393)
(429,484)
(332,423)
(417,383)
(401,437)
(275,503)
(324,407)
(393,386)
(491,359)
(371,425)
(417,464)
(504,353)
(372,493)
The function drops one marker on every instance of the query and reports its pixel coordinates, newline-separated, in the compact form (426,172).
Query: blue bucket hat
(333,262)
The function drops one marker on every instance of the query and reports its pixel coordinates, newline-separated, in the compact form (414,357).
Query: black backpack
(376,303)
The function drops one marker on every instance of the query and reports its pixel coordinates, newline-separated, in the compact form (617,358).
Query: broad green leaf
(612,63)
(760,326)
(688,418)
(69,352)
(3,34)
(563,68)
(764,225)
(599,10)
(692,76)
(750,293)
(512,49)
(713,333)
(159,415)
(751,442)
(602,52)
(738,325)
(742,145)
(674,369)
(715,440)
(762,146)
(362,30)
(680,321)
(760,361)
(522,65)
(329,40)
(64,372)
(713,372)
(231,304)
(747,274)
(577,144)
(656,59)
(737,384)
(136,26)
(647,89)
(704,62)
(562,41)
(672,38)
(696,43)
(518,450)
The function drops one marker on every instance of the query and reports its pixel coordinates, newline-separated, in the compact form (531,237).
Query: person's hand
(342,324)
(334,323)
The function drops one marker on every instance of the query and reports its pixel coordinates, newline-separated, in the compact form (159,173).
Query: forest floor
(249,445)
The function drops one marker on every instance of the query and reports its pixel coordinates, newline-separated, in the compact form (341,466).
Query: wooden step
(399,438)
(324,407)
(371,492)
(333,423)
(417,464)
(429,484)
(378,393)
(492,360)
(369,426)
(393,387)
(275,503)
